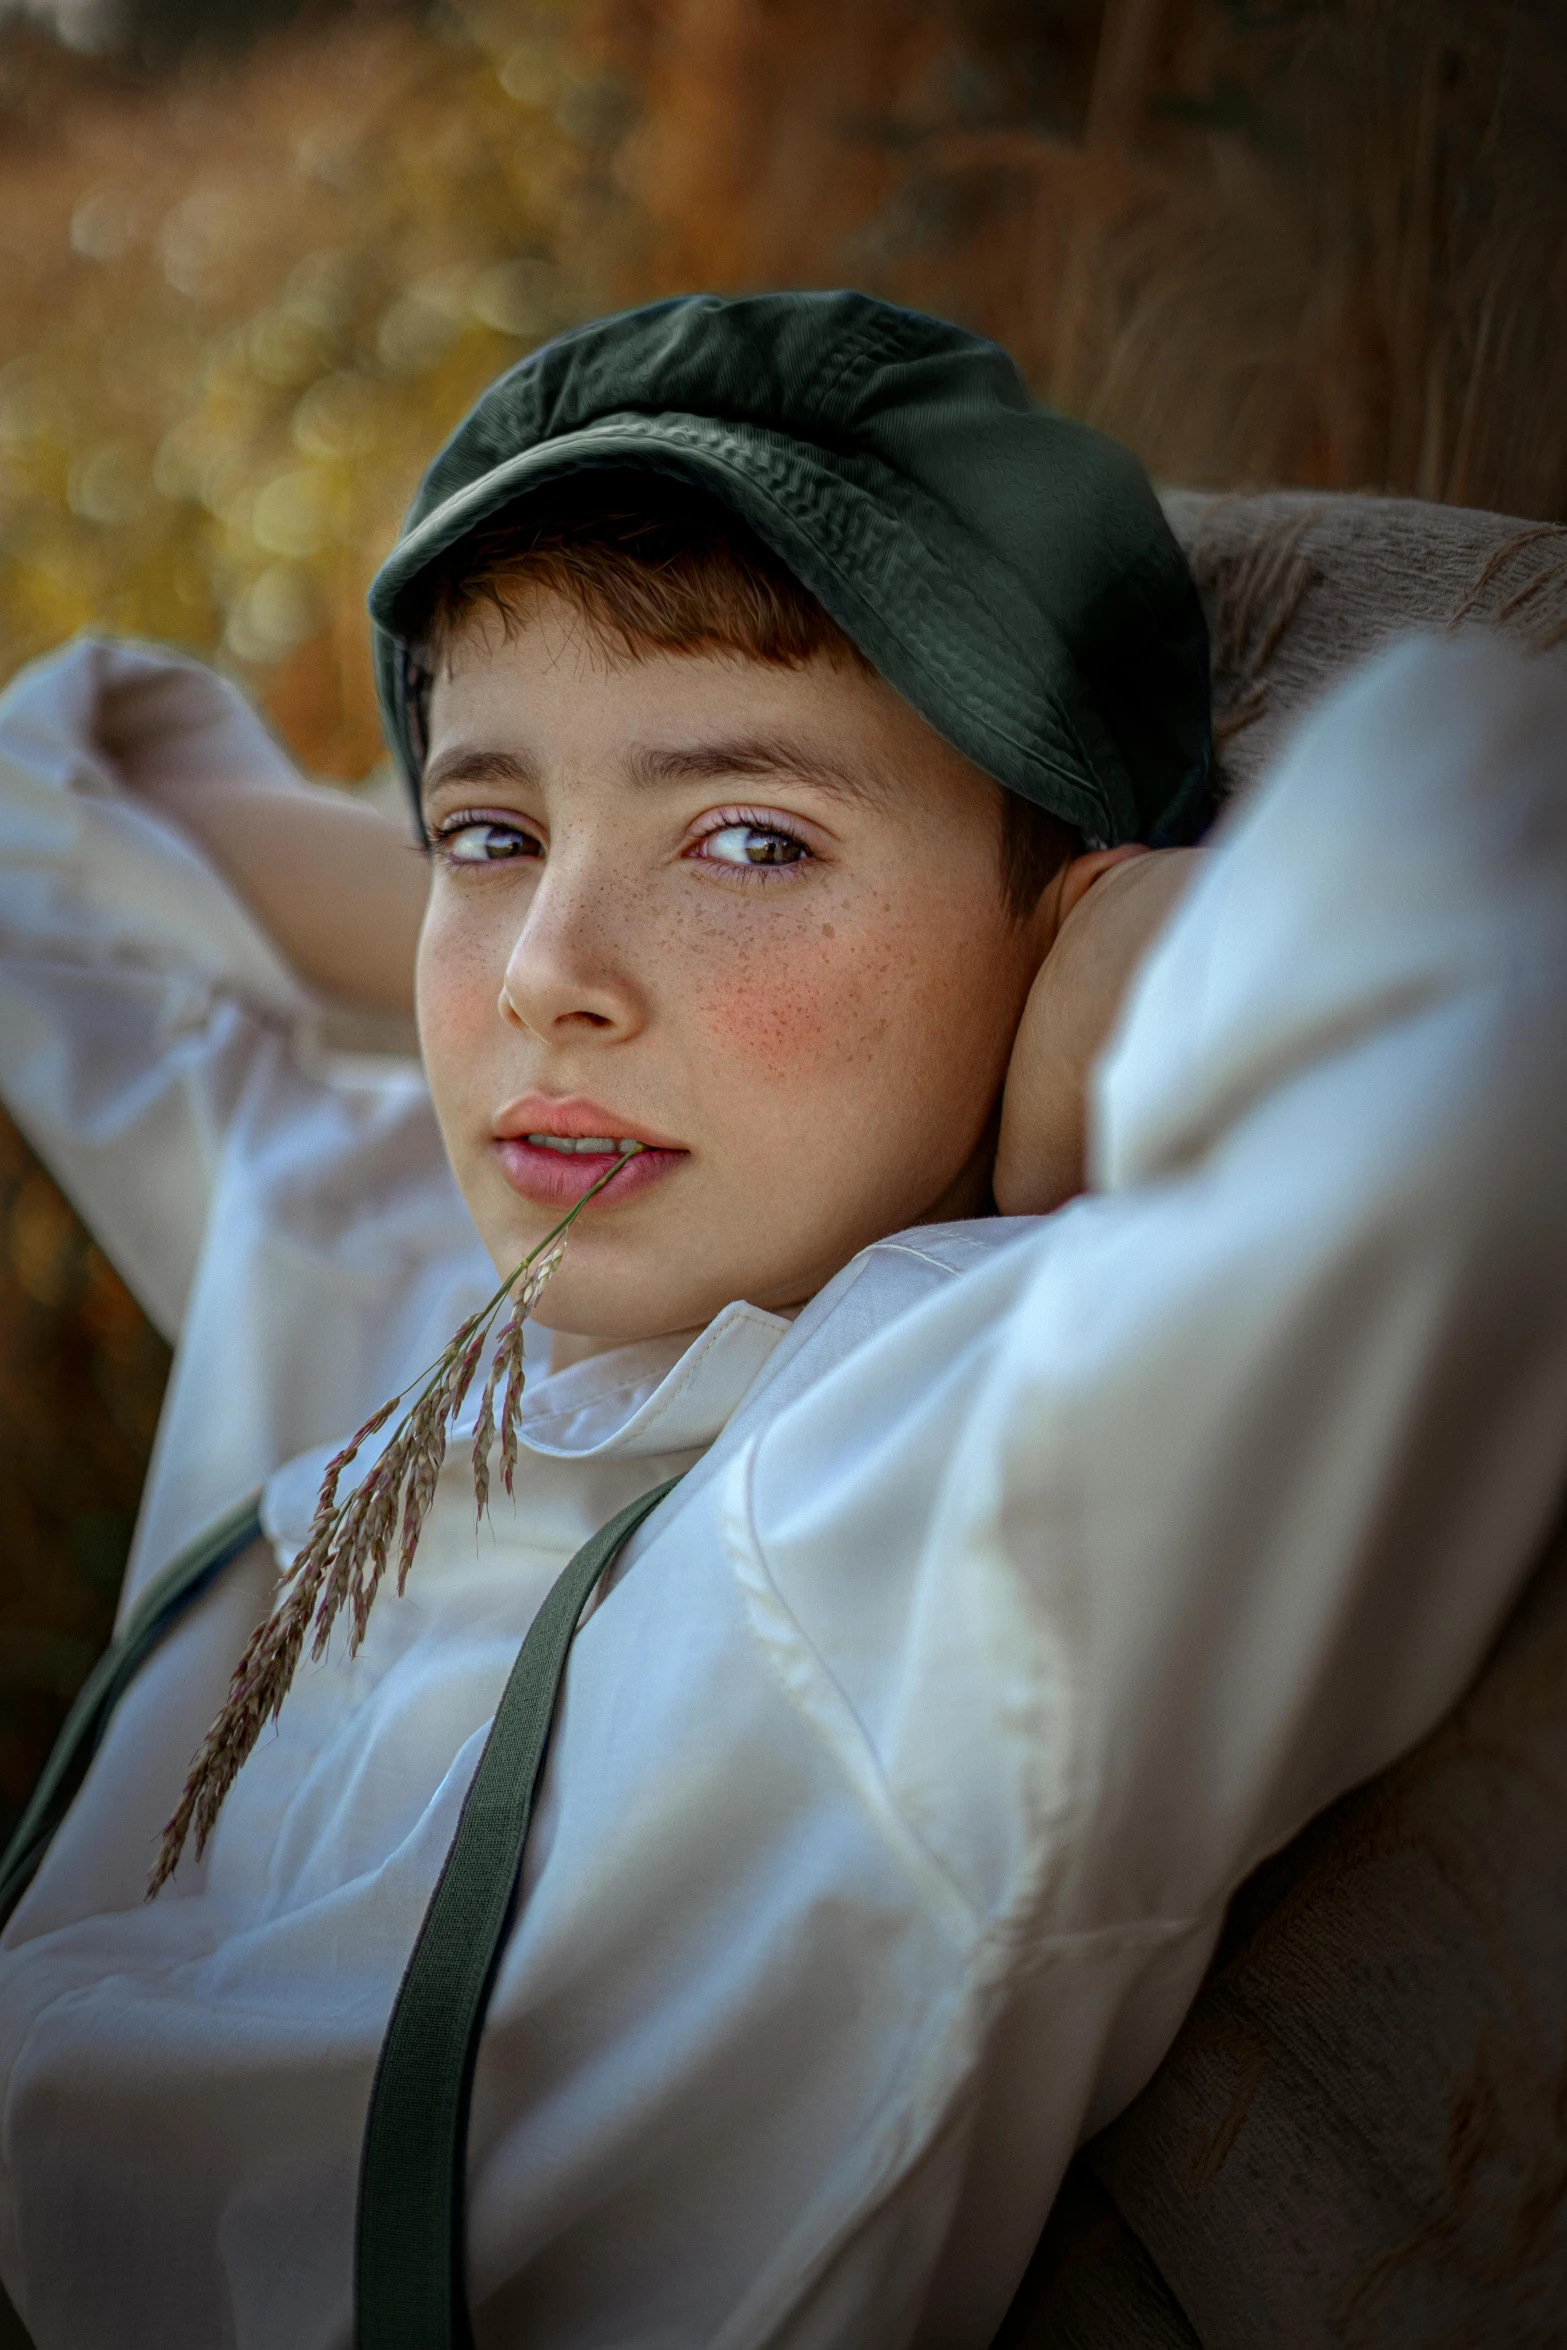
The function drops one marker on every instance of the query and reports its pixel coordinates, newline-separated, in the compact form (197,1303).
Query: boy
(784,696)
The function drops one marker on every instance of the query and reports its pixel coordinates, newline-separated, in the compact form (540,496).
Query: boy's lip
(555,1178)
(574,1118)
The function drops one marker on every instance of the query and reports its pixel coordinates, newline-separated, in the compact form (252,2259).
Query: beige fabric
(1298,586)
(1359,2140)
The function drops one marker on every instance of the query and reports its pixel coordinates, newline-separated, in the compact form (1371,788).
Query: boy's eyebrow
(748,755)
(754,756)
(477,766)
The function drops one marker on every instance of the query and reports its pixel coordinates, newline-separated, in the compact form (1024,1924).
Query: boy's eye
(753,844)
(483,840)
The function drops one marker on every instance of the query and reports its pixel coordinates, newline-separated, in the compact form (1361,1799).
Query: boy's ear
(1068,887)
(1077,878)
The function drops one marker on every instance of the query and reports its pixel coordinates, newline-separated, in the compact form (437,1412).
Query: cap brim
(956,661)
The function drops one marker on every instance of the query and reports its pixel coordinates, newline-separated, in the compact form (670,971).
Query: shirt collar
(654,1398)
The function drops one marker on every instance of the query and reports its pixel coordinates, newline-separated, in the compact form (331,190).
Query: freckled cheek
(773,1026)
(809,1006)
(456,987)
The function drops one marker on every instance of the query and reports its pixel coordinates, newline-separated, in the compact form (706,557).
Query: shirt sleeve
(265,1171)
(133,982)
(1202,1503)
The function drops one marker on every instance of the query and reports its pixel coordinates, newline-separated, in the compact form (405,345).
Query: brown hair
(652,565)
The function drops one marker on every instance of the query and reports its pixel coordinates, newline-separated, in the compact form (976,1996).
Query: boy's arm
(1207,1502)
(1298,1378)
(287,1214)
(338,887)
(142,1003)
(135,990)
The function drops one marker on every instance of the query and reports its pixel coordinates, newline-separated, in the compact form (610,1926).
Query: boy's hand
(1114,905)
(172,728)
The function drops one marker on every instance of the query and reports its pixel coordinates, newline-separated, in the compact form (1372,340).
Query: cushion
(1359,2136)
(1299,586)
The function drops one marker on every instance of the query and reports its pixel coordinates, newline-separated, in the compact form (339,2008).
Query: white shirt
(1040,1579)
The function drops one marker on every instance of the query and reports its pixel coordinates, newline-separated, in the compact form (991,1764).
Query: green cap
(1007,570)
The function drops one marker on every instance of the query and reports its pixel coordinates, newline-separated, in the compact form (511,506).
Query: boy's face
(751,916)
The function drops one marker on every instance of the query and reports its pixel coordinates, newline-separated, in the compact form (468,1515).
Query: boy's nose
(567,970)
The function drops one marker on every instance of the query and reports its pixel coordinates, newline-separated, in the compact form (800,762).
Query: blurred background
(256,258)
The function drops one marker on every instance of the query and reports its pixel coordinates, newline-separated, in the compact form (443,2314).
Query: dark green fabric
(1007,570)
(410,2289)
(153,1617)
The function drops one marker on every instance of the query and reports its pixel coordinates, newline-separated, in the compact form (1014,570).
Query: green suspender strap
(156,1611)
(410,2272)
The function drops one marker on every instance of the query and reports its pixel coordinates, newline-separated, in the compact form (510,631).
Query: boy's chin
(590,1323)
(569,1346)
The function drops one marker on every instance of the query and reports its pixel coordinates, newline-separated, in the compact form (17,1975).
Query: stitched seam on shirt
(603,1395)
(600,1395)
(1089,1941)
(874,1771)
(921,1256)
(682,1373)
